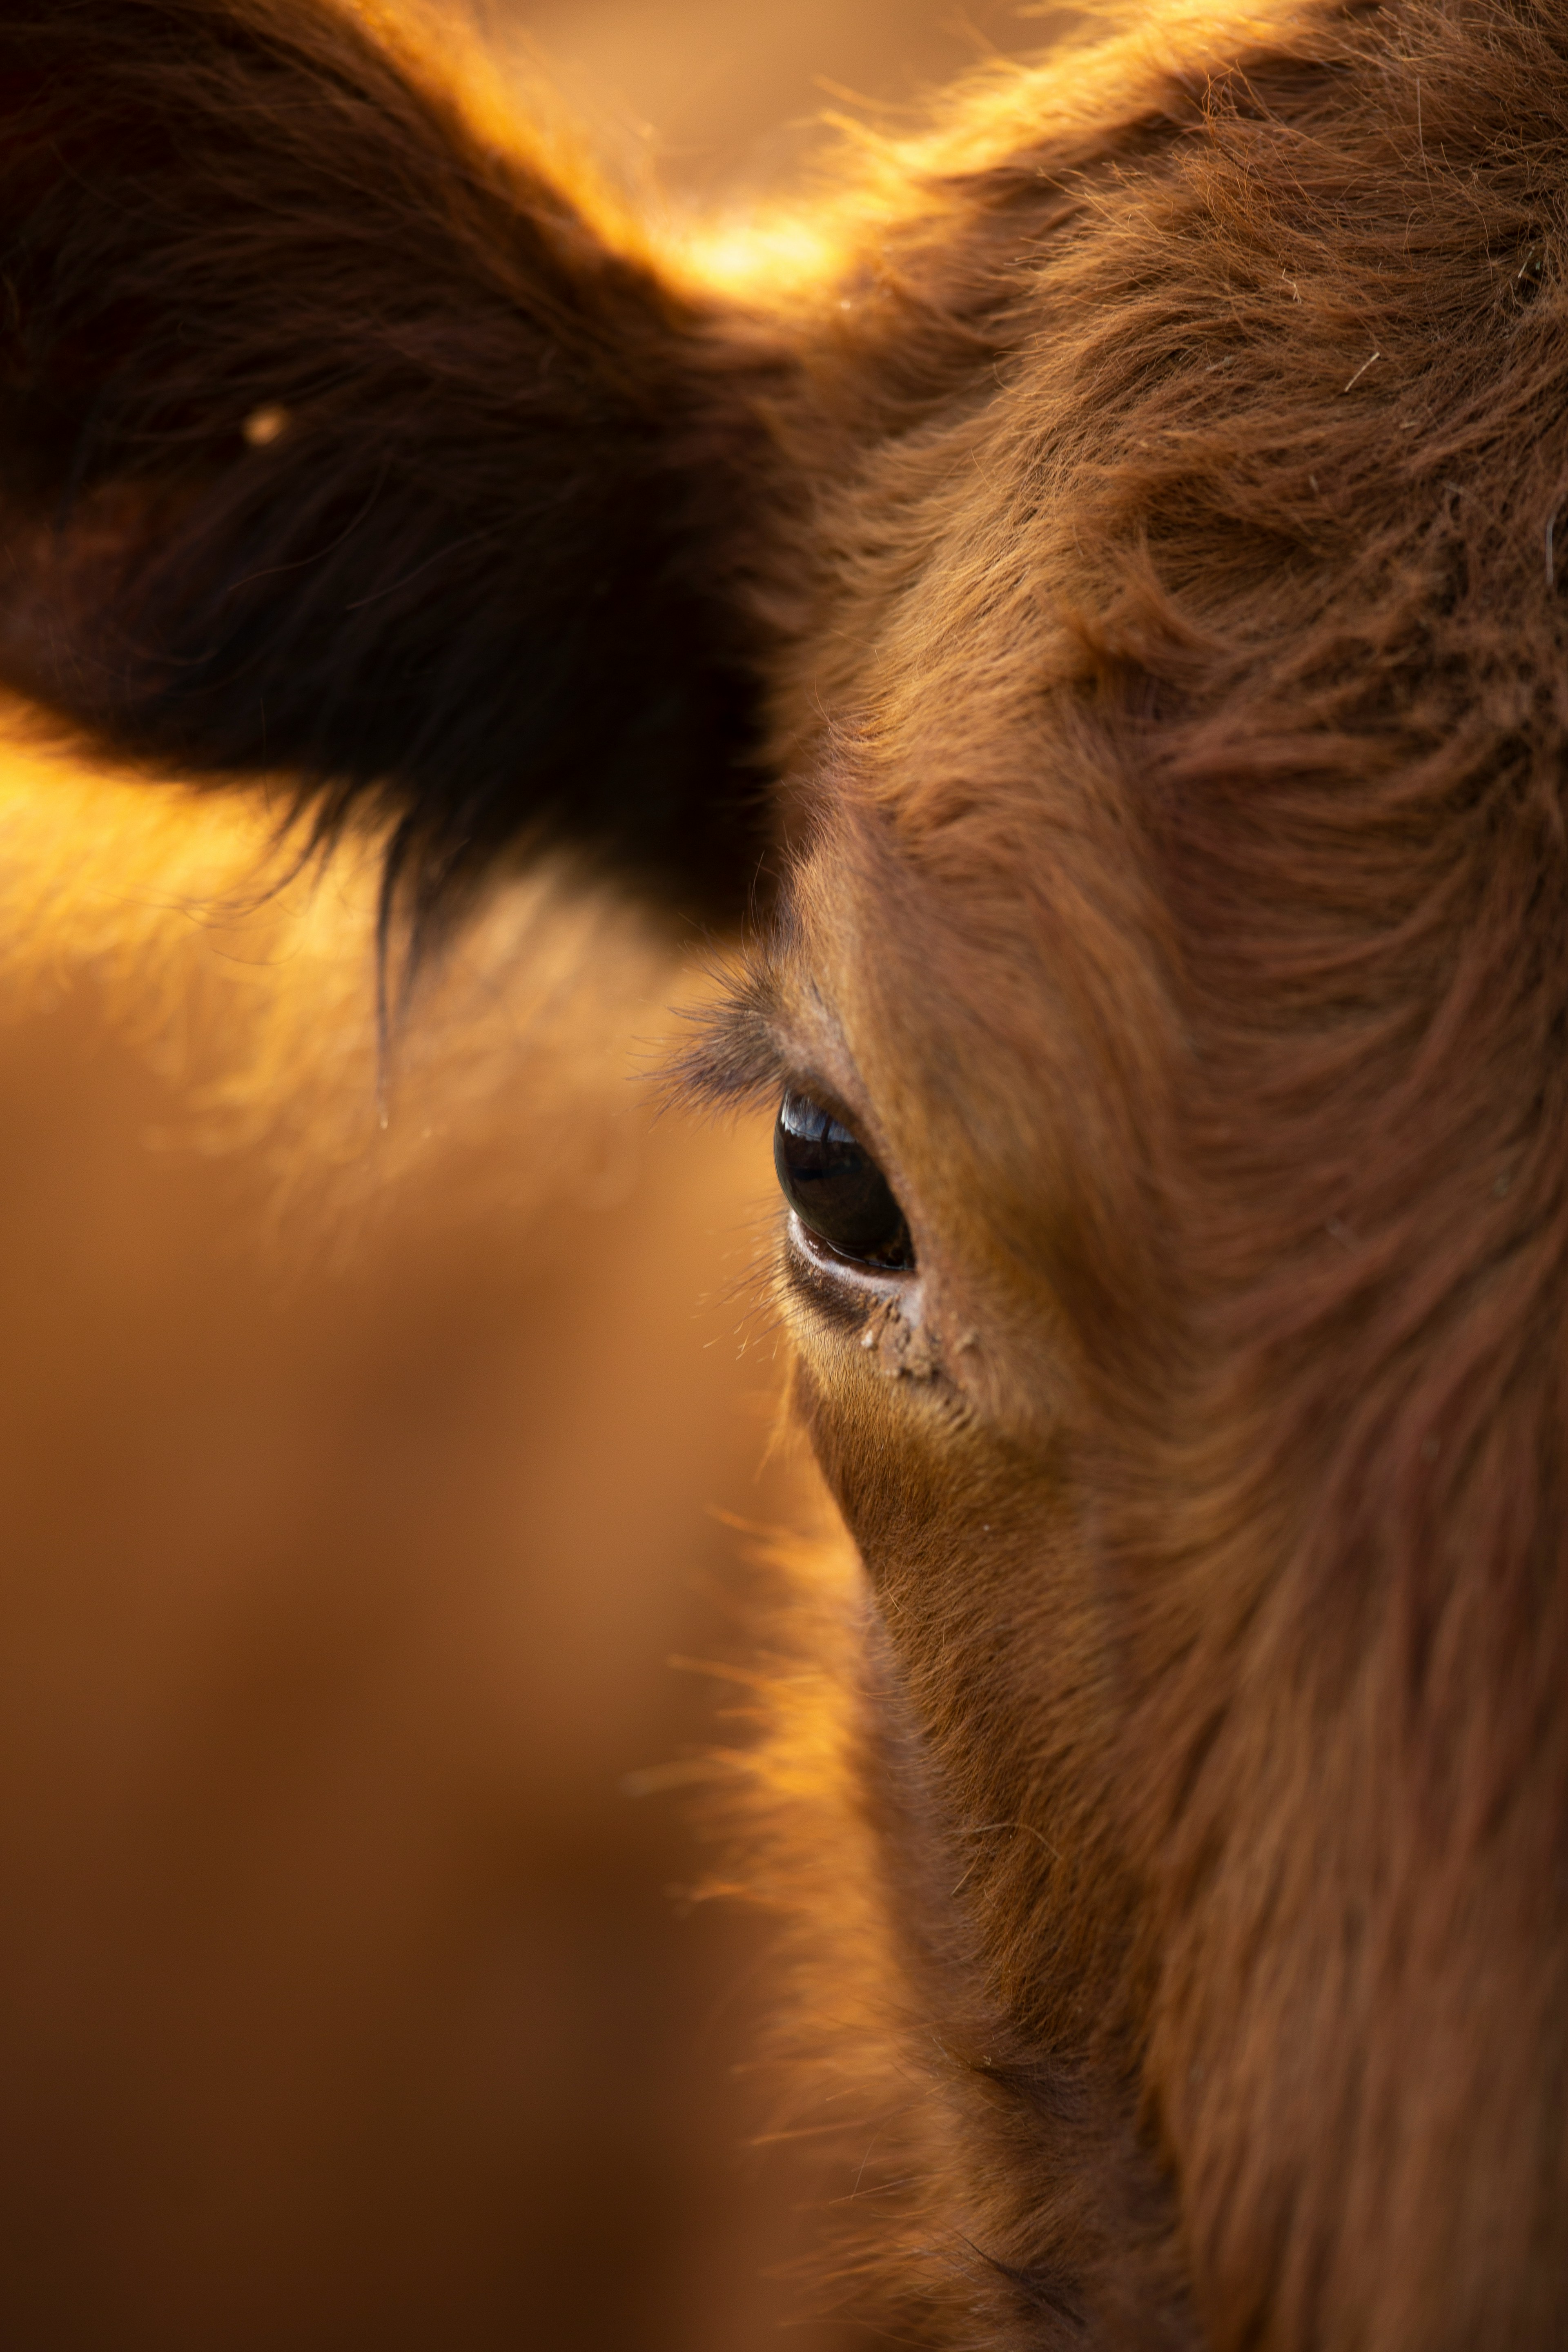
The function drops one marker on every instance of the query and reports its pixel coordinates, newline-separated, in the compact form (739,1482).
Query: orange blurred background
(344,2000)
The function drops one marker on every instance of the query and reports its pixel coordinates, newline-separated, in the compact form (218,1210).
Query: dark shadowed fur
(1171,728)
(467,567)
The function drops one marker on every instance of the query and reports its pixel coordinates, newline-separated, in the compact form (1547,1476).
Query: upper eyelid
(743,1057)
(747,1050)
(804,1078)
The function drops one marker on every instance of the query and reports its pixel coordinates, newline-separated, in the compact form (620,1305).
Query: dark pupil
(837,1188)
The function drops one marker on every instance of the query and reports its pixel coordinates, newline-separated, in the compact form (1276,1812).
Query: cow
(1079,609)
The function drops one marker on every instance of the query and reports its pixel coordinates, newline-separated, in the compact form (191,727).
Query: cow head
(1105,629)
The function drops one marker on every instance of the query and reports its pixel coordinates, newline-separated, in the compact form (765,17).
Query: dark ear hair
(336,445)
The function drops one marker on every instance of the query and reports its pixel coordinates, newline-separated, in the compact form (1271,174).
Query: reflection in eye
(837,1188)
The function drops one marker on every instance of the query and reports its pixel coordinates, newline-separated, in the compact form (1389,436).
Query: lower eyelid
(824,1261)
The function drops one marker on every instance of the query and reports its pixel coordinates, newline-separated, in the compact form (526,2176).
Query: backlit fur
(1131,542)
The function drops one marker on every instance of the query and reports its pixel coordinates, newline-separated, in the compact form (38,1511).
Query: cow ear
(336,445)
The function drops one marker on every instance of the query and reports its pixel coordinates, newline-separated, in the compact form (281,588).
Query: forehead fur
(1210,645)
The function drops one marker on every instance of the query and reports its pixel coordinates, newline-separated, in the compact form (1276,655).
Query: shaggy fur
(1145,539)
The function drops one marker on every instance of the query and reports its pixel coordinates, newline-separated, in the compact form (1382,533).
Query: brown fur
(1148,547)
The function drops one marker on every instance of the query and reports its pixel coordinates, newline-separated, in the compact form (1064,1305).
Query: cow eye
(837,1188)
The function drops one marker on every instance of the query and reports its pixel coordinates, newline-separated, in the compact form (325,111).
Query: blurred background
(347,1994)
